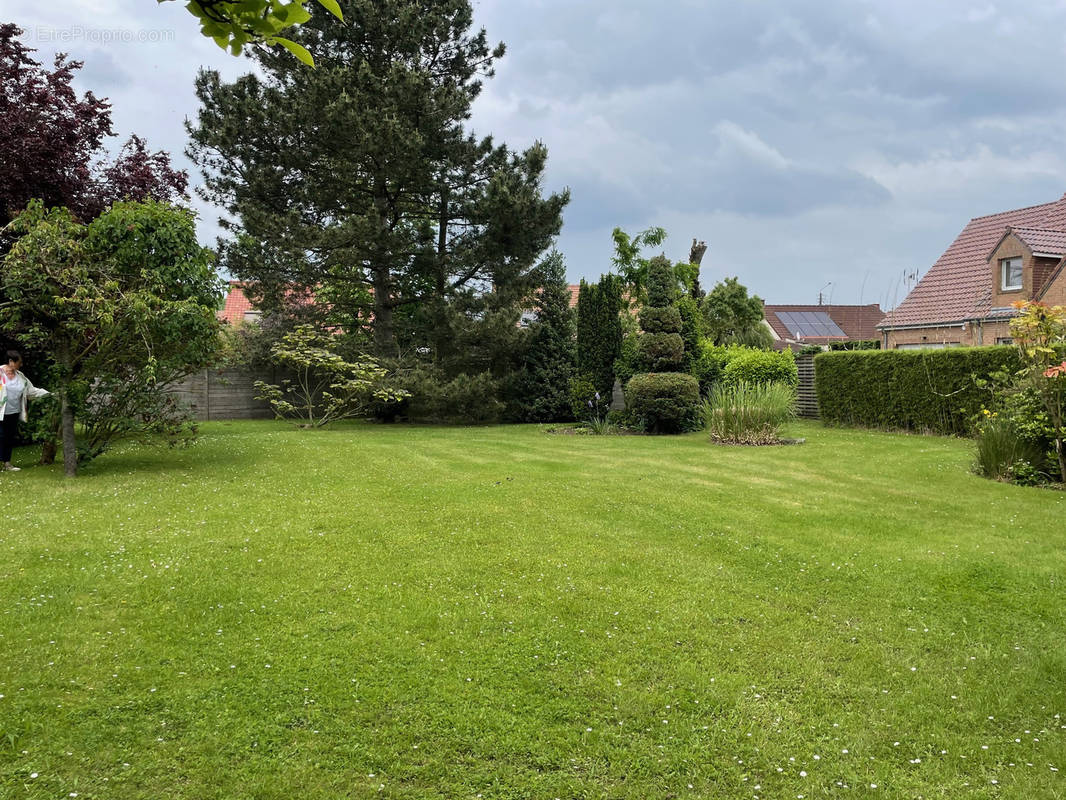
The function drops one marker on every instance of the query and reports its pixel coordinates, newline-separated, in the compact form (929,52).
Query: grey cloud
(102,72)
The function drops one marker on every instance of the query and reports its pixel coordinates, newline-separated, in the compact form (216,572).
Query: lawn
(404,612)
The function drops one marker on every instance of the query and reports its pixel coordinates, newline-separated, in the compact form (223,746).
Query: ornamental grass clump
(749,413)
(1004,455)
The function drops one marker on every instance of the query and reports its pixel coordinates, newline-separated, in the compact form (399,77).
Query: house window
(1004,340)
(1012,273)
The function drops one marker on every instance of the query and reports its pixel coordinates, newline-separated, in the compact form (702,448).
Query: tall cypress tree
(358,178)
(599,331)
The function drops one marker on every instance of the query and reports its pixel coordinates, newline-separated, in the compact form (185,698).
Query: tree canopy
(52,142)
(634,268)
(124,305)
(731,316)
(360,180)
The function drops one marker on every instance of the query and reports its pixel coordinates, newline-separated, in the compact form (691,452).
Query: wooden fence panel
(806,399)
(224,394)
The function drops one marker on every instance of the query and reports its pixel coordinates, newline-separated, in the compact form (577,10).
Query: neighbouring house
(795,326)
(237,307)
(966,297)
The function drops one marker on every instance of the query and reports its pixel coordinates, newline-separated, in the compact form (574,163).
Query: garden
(408,611)
(409,583)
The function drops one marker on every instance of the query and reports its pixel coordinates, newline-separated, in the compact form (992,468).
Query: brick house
(965,298)
(794,326)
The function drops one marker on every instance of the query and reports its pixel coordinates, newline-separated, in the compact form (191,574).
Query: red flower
(1056,371)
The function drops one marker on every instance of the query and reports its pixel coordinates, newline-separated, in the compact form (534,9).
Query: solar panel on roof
(809,323)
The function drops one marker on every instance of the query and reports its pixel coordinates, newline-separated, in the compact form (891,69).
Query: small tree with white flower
(325,387)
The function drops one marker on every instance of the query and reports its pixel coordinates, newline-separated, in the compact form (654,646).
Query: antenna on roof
(830,283)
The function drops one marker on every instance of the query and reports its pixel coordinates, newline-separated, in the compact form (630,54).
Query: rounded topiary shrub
(660,320)
(664,402)
(661,352)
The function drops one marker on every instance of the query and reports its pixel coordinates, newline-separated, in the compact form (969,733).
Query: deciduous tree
(235,25)
(125,305)
(52,140)
(732,316)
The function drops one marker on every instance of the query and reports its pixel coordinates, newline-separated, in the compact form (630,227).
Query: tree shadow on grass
(150,459)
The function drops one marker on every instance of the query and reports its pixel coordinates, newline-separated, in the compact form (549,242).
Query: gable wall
(932,336)
(1042,269)
(1010,247)
(1056,292)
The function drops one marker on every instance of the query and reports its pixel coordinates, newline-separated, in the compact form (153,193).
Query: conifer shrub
(599,331)
(660,352)
(663,399)
(664,402)
(660,320)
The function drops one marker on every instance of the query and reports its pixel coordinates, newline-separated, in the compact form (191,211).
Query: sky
(833,147)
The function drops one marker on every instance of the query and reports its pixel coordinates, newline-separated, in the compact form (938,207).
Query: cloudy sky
(835,145)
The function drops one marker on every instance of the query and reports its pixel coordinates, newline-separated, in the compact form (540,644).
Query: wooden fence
(224,394)
(806,399)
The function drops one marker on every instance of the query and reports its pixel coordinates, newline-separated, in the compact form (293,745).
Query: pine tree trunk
(384,333)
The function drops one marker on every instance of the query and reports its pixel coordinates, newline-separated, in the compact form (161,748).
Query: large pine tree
(360,180)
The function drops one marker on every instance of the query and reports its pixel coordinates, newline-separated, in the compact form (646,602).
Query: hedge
(932,391)
(752,366)
(664,402)
(736,363)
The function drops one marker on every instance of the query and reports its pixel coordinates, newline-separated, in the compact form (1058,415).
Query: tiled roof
(957,287)
(236,304)
(857,322)
(1040,240)
(574,288)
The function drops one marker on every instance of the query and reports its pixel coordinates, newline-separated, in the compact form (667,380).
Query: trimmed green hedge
(735,363)
(664,402)
(919,390)
(746,365)
(660,320)
(660,352)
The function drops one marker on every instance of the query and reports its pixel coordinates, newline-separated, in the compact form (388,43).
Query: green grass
(404,612)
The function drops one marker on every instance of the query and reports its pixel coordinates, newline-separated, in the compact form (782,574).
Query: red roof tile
(857,322)
(236,304)
(957,287)
(1040,240)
